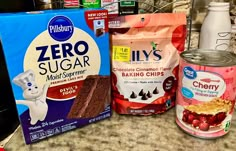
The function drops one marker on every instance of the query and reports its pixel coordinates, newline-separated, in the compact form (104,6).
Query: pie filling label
(205,99)
(201,85)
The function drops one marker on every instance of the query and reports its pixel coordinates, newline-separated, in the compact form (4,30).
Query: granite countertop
(128,133)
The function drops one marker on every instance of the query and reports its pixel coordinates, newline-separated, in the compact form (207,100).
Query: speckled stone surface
(233,43)
(128,133)
(149,6)
(146,6)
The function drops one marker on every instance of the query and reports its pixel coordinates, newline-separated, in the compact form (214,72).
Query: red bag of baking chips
(145,56)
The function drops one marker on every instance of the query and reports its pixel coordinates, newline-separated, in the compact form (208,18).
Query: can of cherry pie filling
(206,92)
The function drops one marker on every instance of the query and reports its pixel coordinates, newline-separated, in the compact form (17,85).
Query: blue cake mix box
(59,68)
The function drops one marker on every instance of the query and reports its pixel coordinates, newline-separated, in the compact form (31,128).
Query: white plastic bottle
(216,28)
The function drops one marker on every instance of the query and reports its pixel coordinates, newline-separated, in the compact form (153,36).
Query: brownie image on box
(92,97)
(99,32)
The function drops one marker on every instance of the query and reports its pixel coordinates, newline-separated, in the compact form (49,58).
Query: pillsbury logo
(60,28)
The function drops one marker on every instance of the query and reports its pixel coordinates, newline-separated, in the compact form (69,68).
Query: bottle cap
(218,6)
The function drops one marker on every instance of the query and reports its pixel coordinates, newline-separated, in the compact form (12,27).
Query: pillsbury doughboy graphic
(34,95)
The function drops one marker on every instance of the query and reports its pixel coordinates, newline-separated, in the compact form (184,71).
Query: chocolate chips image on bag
(143,95)
(145,56)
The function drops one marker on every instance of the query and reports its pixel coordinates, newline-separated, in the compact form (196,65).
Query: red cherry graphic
(184,119)
(190,118)
(195,114)
(221,117)
(186,113)
(195,123)
(202,118)
(204,126)
(212,120)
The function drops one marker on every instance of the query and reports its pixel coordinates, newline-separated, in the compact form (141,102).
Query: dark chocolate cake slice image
(98,101)
(82,99)
(91,98)
(99,32)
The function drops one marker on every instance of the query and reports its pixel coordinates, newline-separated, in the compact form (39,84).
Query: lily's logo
(147,55)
